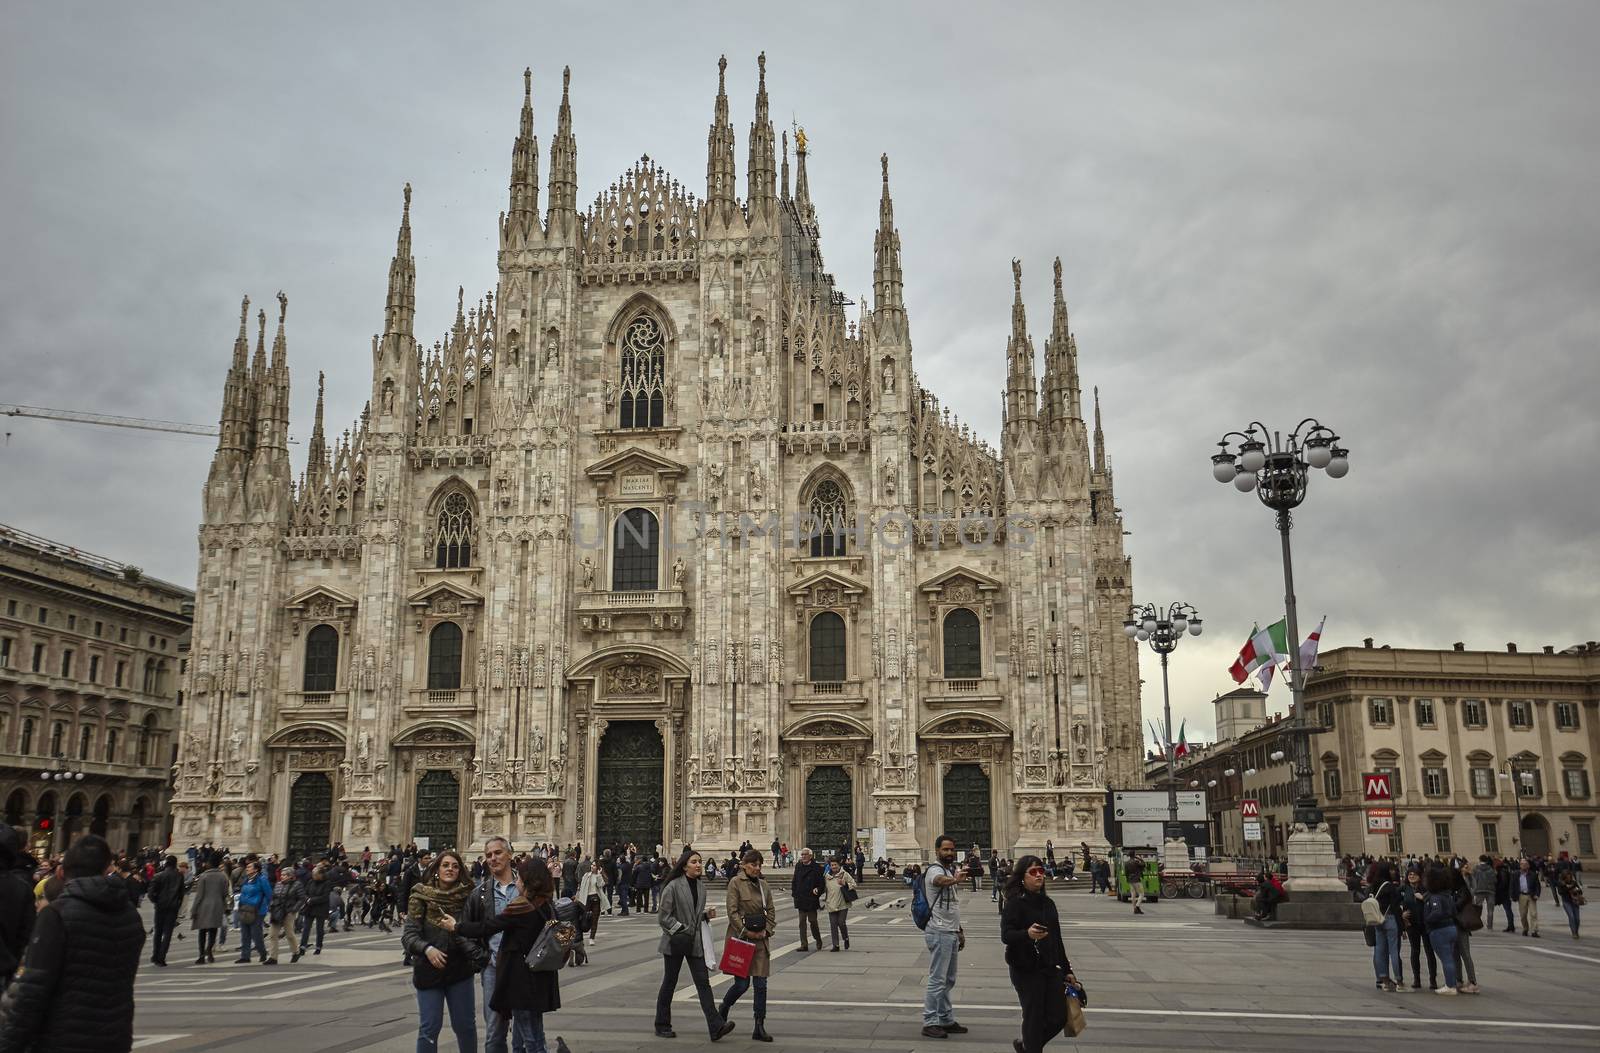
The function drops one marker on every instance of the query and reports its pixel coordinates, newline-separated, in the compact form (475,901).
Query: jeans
(669,983)
(1386,950)
(1444,945)
(1571,909)
(1464,956)
(166,921)
(740,985)
(430,1016)
(250,938)
(1528,907)
(936,1007)
(305,928)
(1511,922)
(839,925)
(526,1028)
(495,1026)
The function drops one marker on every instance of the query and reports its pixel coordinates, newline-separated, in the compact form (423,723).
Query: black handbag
(755,922)
(681,942)
(549,951)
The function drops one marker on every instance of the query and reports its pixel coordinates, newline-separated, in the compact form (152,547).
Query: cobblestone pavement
(1176,977)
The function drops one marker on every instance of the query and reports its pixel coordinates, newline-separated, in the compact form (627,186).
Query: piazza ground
(1178,977)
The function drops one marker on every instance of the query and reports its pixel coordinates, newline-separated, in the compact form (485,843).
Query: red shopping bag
(736,957)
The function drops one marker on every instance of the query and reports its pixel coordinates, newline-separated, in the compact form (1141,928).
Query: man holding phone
(945,939)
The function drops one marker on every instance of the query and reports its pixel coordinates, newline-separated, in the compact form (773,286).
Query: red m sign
(1375,786)
(1249,808)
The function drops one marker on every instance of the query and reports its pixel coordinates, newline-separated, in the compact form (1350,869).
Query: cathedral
(662,541)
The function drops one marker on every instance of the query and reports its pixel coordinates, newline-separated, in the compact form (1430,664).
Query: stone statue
(586,570)
(678,572)
(538,741)
(711,748)
(755,744)
(552,352)
(891,477)
(235,744)
(610,393)
(496,740)
(757,483)
(364,748)
(888,379)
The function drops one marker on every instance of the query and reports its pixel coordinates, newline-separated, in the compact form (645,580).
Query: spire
(783,187)
(524,206)
(461,317)
(1099,436)
(317,455)
(241,345)
(280,346)
(887,287)
(233,432)
(1063,402)
(564,154)
(719,148)
(258,364)
(759,173)
(402,302)
(1020,385)
(802,190)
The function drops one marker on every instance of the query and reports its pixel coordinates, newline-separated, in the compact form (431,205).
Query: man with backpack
(1134,869)
(934,910)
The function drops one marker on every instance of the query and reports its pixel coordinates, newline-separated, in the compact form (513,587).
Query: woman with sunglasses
(1035,956)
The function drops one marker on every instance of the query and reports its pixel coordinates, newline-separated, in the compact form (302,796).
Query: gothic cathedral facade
(658,545)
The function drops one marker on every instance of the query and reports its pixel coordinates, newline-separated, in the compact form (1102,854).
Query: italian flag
(1182,748)
(1265,647)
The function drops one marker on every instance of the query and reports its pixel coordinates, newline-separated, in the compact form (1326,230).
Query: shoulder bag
(549,952)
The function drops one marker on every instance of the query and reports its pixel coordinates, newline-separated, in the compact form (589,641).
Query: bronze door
(829,811)
(966,807)
(438,807)
(310,814)
(631,771)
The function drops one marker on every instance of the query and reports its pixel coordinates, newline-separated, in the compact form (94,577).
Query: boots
(760,1033)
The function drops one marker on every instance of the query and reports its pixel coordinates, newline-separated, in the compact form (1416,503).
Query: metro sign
(1376,786)
(1249,808)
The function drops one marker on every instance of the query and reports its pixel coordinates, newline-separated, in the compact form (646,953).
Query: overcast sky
(1381,215)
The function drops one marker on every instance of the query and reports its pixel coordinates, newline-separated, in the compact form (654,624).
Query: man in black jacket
(625,883)
(166,895)
(17,911)
(75,992)
(807,891)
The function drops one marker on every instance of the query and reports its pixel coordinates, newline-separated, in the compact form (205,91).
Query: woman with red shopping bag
(751,920)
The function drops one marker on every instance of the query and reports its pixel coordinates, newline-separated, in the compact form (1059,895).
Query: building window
(1394,842)
(94,669)
(1528,787)
(1441,838)
(963,645)
(85,735)
(122,668)
(1567,716)
(1520,713)
(1577,781)
(1330,782)
(453,543)
(66,662)
(99,628)
(72,621)
(58,735)
(1491,838)
(828,518)
(1585,839)
(111,746)
(636,552)
(1380,710)
(38,658)
(150,677)
(147,734)
(5,652)
(1394,777)
(1325,715)
(643,364)
(1435,782)
(123,636)
(26,745)
(1425,713)
(11,608)
(827,648)
(44,615)
(444,657)
(1474,714)
(1482,782)
(322,659)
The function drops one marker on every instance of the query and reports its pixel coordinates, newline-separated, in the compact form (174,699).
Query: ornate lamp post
(1518,778)
(64,771)
(1148,625)
(1278,467)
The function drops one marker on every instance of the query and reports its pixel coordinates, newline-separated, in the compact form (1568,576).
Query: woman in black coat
(1037,960)
(521,996)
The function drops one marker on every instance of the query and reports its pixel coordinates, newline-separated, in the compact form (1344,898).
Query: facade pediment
(959,578)
(827,726)
(443,597)
(308,733)
(963,725)
(321,598)
(824,581)
(435,733)
(635,461)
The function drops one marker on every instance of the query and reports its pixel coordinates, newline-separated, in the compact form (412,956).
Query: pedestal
(1313,866)
(1175,856)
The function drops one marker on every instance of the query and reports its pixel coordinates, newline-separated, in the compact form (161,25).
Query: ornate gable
(825,588)
(635,472)
(443,598)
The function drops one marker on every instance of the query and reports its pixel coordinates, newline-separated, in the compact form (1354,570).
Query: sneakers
(1446,991)
(934,1031)
(1469,988)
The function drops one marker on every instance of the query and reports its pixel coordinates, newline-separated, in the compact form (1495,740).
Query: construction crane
(108,421)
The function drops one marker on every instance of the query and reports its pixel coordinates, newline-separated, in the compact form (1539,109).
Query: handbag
(737,956)
(549,951)
(1076,1019)
(248,914)
(1470,917)
(850,894)
(681,942)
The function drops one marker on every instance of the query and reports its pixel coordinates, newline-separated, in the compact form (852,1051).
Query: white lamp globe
(1252,457)
(1244,482)
(1222,469)
(1230,773)
(1339,464)
(1318,453)
(1149,624)
(1180,625)
(1195,627)
(1141,635)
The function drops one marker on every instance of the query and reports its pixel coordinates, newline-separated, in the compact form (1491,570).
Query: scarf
(437,900)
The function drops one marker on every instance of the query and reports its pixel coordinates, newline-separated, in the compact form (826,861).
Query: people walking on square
(521,997)
(807,889)
(1525,886)
(166,895)
(443,964)
(974,865)
(643,878)
(1483,882)
(1439,917)
(683,909)
(1504,878)
(17,911)
(252,906)
(838,904)
(1134,869)
(1035,956)
(1411,896)
(288,900)
(1467,917)
(319,901)
(752,917)
(591,891)
(208,909)
(490,898)
(1569,893)
(74,993)
(944,938)
(1386,933)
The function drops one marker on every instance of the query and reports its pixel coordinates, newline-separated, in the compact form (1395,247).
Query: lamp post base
(1175,855)
(1313,865)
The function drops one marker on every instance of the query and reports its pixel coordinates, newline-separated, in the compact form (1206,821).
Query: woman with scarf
(442,964)
(521,996)
(681,912)
(1035,955)
(752,918)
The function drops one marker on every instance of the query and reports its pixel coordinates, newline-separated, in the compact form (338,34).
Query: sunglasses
(1035,871)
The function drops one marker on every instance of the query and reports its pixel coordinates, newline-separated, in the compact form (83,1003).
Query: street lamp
(1507,773)
(1147,624)
(1278,468)
(62,772)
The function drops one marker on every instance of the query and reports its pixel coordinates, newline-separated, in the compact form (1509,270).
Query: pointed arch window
(322,659)
(827,650)
(963,645)
(453,543)
(829,514)
(642,384)
(444,657)
(636,552)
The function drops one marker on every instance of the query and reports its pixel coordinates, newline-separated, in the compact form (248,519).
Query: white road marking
(140,1041)
(291,993)
(1559,954)
(689,994)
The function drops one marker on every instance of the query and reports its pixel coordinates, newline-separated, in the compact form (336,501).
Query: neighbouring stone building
(91,664)
(549,586)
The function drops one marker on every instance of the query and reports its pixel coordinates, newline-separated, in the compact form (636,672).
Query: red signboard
(1375,786)
(1249,808)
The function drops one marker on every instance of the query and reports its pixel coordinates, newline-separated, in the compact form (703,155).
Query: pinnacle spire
(280,347)
(1063,400)
(258,364)
(759,172)
(241,345)
(317,455)
(1021,403)
(234,427)
(887,284)
(802,189)
(719,147)
(525,159)
(783,188)
(1099,435)
(564,153)
(402,303)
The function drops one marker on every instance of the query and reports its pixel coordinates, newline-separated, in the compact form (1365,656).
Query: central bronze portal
(631,774)
(966,807)
(438,809)
(828,811)
(310,814)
